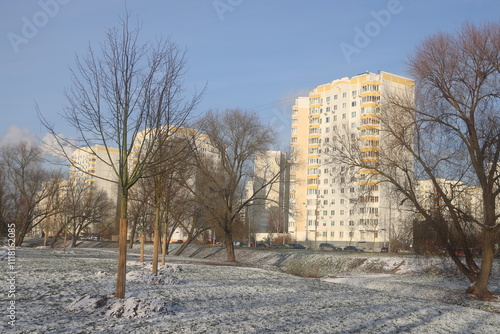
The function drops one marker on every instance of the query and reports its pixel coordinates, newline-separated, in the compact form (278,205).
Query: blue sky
(253,54)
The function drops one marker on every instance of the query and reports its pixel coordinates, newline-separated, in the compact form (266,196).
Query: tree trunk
(230,252)
(156,241)
(19,239)
(156,247)
(479,288)
(73,241)
(182,248)
(164,248)
(58,234)
(143,238)
(65,239)
(229,246)
(132,234)
(122,260)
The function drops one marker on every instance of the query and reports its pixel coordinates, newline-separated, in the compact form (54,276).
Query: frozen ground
(353,295)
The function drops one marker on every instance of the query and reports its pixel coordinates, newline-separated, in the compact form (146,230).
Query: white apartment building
(269,210)
(333,203)
(94,165)
(464,197)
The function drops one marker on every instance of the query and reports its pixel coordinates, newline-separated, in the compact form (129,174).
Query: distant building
(269,211)
(94,166)
(466,199)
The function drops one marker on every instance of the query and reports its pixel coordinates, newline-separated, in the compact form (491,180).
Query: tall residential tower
(330,201)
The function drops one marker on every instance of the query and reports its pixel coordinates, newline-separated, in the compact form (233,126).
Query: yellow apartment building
(333,203)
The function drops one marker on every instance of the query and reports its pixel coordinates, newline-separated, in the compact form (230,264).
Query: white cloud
(16,135)
(52,146)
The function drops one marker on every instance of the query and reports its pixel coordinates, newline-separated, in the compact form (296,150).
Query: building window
(332,234)
(341,234)
(353,104)
(332,223)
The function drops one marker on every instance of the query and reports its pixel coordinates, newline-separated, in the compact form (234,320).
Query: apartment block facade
(269,210)
(95,167)
(331,202)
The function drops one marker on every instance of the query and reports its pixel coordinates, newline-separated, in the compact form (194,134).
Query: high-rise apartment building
(95,167)
(269,209)
(338,203)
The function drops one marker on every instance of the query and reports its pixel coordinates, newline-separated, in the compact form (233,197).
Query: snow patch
(64,252)
(109,306)
(163,277)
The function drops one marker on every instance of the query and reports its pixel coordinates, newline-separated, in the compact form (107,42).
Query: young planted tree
(164,187)
(128,96)
(450,137)
(236,138)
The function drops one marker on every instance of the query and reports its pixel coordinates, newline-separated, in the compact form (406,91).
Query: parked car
(329,247)
(352,249)
(280,246)
(384,250)
(261,245)
(298,246)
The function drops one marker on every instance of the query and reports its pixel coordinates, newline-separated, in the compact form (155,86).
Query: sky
(258,55)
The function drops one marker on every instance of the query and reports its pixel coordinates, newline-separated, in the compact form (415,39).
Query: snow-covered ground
(57,292)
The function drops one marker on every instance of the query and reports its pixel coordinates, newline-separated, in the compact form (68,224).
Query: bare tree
(28,190)
(86,208)
(128,96)
(450,133)
(236,138)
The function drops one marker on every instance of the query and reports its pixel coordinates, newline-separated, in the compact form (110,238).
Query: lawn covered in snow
(56,292)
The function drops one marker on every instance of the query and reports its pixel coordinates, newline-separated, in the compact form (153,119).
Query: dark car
(261,245)
(280,246)
(298,246)
(384,250)
(352,249)
(329,247)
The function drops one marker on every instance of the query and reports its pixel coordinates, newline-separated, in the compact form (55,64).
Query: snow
(197,293)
